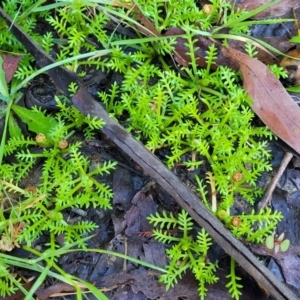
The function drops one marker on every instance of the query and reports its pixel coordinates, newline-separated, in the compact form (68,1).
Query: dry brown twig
(269,192)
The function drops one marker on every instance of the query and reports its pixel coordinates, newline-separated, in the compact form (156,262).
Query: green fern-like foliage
(23,14)
(16,11)
(233,286)
(7,281)
(253,227)
(196,111)
(189,253)
(66,181)
(74,23)
(76,120)
(186,252)
(187,115)
(264,222)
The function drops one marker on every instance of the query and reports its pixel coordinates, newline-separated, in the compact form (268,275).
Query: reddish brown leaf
(279,9)
(143,206)
(10,65)
(55,289)
(151,30)
(183,58)
(288,261)
(271,102)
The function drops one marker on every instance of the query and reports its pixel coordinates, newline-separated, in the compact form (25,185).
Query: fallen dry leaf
(150,28)
(146,281)
(54,289)
(10,65)
(288,261)
(279,9)
(136,217)
(271,102)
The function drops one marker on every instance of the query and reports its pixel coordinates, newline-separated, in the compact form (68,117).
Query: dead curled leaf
(271,102)
(56,289)
(10,65)
(279,9)
(288,261)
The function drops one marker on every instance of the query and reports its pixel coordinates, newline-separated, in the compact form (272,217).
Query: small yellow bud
(185,248)
(214,157)
(222,214)
(207,9)
(31,189)
(63,144)
(55,216)
(237,176)
(42,140)
(236,221)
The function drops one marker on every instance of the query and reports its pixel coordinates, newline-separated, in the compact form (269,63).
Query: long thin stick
(269,192)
